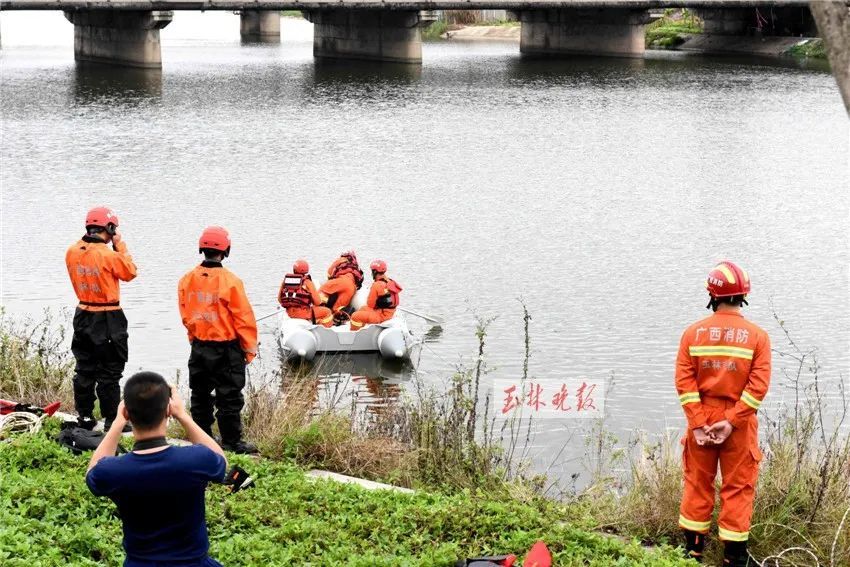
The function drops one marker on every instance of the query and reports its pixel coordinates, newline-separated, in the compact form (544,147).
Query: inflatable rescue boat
(302,339)
(392,339)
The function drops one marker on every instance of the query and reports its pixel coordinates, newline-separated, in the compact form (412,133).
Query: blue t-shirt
(160,497)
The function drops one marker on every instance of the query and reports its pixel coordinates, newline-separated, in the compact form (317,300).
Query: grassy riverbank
(810,49)
(672,29)
(473,496)
(50,518)
(435,30)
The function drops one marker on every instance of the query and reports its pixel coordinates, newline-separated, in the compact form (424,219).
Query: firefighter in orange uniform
(722,376)
(383,298)
(223,333)
(100,327)
(299,297)
(344,279)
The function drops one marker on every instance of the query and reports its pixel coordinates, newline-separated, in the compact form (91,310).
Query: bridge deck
(379,4)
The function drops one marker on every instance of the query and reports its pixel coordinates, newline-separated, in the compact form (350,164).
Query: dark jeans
(218,367)
(100,348)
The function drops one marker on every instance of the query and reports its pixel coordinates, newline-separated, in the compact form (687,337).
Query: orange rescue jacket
(306,294)
(214,307)
(95,270)
(386,289)
(724,357)
(343,266)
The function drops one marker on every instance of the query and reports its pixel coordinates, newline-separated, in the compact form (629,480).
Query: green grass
(49,518)
(435,30)
(811,49)
(291,13)
(670,30)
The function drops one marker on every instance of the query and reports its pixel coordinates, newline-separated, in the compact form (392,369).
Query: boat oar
(426,317)
(272,314)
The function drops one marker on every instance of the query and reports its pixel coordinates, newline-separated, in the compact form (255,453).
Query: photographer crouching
(158,488)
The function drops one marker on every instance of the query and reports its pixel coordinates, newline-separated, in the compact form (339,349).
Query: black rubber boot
(735,554)
(86,422)
(694,545)
(240,447)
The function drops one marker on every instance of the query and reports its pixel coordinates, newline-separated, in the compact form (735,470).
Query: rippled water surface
(598,190)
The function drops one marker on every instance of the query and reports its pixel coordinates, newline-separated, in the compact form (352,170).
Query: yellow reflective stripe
(750,400)
(723,268)
(689,398)
(356,324)
(729,535)
(694,526)
(734,352)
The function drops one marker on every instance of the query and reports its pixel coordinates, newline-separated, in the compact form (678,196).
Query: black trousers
(100,349)
(216,378)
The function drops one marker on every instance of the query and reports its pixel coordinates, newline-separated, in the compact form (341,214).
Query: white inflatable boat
(302,339)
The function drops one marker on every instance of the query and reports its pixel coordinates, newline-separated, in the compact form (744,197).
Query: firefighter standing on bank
(223,333)
(722,377)
(100,327)
(299,297)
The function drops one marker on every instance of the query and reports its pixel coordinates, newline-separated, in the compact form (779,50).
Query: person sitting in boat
(383,298)
(344,279)
(299,297)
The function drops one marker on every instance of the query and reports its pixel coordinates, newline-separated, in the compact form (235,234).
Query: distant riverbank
(675,30)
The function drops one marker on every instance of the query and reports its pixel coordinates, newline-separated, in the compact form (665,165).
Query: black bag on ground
(78,439)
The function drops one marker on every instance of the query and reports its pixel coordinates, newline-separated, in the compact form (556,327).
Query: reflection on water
(362,385)
(366,73)
(106,84)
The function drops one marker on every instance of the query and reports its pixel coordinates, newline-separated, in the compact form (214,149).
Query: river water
(597,190)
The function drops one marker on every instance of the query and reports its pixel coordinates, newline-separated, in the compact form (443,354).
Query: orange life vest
(390,300)
(293,292)
(349,267)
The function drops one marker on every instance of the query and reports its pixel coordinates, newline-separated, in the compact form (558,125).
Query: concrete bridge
(126,32)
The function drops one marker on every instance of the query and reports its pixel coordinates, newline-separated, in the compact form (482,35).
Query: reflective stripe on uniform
(694,526)
(327,319)
(729,535)
(734,352)
(689,398)
(356,323)
(750,400)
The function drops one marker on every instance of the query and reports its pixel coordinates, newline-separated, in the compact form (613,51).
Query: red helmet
(215,238)
(726,279)
(378,266)
(101,217)
(301,267)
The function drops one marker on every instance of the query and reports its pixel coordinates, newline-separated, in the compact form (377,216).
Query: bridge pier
(119,37)
(590,31)
(260,26)
(376,35)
